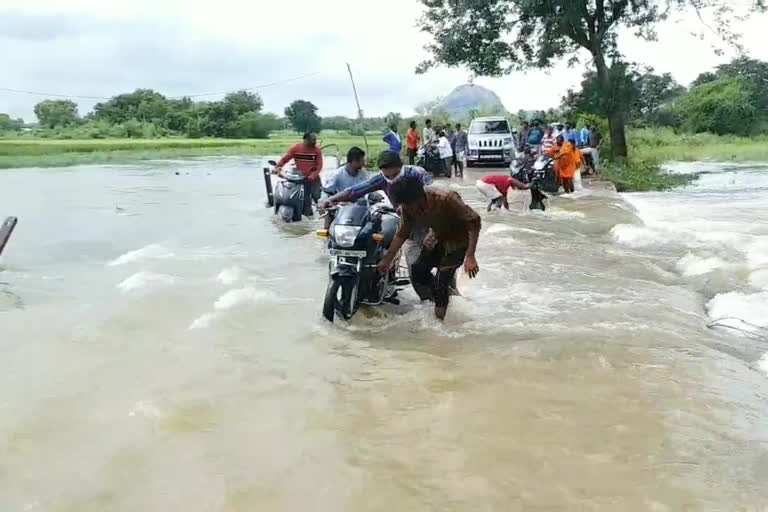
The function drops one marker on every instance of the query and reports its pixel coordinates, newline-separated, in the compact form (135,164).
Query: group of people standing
(571,149)
(588,140)
(451,144)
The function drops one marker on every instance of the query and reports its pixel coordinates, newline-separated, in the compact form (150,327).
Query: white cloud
(96,48)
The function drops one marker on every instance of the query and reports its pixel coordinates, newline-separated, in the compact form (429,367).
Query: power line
(262,86)
(82,97)
(54,95)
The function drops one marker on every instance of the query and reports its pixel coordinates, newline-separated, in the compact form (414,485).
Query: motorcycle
(544,174)
(428,157)
(358,239)
(539,173)
(288,197)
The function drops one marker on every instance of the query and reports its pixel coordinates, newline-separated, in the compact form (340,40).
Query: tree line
(145,113)
(732,100)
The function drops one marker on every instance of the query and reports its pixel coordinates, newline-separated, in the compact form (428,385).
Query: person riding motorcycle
(348,175)
(309,162)
(392,170)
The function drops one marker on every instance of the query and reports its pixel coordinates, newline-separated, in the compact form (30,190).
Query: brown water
(161,348)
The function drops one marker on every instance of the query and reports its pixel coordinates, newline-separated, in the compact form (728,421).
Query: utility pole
(359,111)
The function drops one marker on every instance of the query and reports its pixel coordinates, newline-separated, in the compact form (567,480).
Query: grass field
(663,145)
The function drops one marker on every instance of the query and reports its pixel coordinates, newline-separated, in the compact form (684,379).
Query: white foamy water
(734,307)
(692,265)
(229,275)
(240,296)
(177,361)
(763,363)
(145,280)
(152,251)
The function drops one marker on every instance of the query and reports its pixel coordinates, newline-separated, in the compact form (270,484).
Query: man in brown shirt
(455,228)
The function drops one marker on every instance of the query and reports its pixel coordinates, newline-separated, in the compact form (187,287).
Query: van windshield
(481,127)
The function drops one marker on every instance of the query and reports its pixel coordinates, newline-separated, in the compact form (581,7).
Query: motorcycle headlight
(345,236)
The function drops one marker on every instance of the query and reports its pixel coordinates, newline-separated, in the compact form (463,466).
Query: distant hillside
(465,99)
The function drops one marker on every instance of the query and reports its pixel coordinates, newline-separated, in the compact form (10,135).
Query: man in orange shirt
(412,141)
(567,162)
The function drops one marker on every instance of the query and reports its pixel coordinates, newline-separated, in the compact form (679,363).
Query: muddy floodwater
(161,349)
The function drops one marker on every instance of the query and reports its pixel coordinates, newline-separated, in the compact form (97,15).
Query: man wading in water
(455,228)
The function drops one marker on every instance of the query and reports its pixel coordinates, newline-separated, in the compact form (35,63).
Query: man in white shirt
(446,153)
(429,133)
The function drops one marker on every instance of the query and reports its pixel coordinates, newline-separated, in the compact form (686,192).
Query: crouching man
(455,228)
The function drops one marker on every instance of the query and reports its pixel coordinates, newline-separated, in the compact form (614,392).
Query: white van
(490,139)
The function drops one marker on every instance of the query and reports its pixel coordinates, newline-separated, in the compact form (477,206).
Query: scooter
(288,197)
(358,239)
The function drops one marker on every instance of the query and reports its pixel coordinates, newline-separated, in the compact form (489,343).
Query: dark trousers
(568,185)
(412,156)
(436,287)
(312,192)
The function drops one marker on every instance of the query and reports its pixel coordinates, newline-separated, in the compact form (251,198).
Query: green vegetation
(35,152)
(495,37)
(642,176)
(303,116)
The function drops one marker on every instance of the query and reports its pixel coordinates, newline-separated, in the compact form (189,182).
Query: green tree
(10,125)
(243,101)
(725,106)
(142,105)
(752,70)
(494,37)
(253,125)
(393,118)
(640,94)
(53,113)
(303,116)
(338,123)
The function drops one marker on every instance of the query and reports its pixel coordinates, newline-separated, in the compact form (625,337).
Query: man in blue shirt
(392,169)
(535,134)
(571,134)
(584,136)
(393,139)
(349,174)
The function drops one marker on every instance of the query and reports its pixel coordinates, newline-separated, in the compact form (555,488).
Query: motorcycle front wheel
(341,296)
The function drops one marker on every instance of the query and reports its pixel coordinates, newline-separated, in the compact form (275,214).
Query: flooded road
(161,348)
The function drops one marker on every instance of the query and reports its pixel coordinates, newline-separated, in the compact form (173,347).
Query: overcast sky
(97,48)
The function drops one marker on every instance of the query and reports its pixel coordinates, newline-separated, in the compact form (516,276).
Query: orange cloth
(412,139)
(568,160)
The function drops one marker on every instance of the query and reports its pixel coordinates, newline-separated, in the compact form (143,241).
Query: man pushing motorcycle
(309,162)
(456,228)
(392,171)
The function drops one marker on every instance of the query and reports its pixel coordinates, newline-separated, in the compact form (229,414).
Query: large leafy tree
(751,70)
(53,113)
(494,37)
(726,105)
(142,105)
(303,116)
(640,93)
